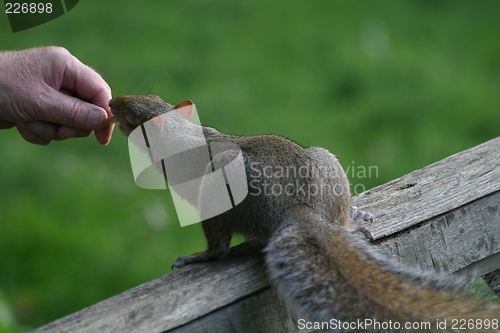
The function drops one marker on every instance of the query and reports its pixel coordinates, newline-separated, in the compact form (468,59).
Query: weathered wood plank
(174,299)
(437,188)
(452,241)
(451,220)
(262,312)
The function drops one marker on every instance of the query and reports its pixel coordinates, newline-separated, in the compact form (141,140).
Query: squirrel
(320,265)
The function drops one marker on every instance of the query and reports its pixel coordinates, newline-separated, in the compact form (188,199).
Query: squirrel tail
(328,274)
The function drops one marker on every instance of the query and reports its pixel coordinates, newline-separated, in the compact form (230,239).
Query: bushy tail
(329,275)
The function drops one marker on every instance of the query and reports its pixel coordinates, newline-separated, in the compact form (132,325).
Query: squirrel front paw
(180,262)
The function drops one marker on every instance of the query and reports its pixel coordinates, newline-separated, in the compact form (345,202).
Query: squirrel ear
(157,120)
(184,108)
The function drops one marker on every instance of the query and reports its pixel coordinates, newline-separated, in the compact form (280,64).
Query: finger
(69,132)
(103,135)
(30,136)
(42,129)
(50,131)
(84,81)
(6,124)
(71,112)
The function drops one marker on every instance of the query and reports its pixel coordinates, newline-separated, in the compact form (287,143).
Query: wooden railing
(443,218)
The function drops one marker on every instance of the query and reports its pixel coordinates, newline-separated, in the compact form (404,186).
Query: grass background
(392,84)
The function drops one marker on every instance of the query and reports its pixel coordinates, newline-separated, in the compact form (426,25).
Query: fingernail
(96,118)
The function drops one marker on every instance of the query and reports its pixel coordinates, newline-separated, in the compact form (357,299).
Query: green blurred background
(393,84)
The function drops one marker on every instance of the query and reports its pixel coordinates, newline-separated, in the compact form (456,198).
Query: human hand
(48,94)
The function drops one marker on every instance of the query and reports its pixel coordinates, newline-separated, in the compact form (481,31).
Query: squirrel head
(133,110)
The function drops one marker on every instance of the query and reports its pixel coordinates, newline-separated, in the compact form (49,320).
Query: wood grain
(433,190)
(450,242)
(263,312)
(174,299)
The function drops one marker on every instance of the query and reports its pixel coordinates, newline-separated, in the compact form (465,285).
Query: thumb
(73,112)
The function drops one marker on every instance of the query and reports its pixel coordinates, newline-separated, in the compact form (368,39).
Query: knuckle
(57,51)
(74,114)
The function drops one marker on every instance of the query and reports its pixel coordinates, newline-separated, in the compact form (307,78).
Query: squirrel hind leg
(218,242)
